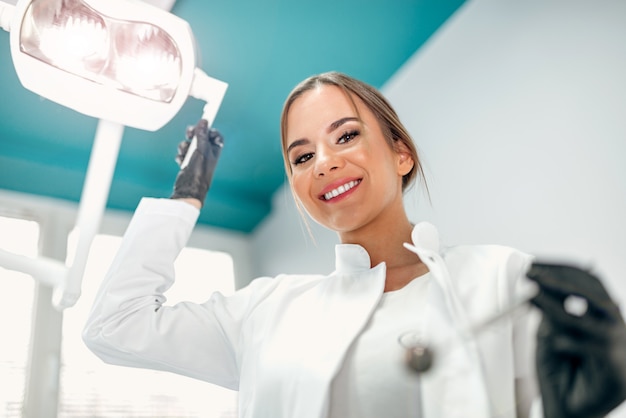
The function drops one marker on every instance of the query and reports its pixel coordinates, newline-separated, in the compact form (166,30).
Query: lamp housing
(123,61)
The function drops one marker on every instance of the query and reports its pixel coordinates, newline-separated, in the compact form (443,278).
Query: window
(92,388)
(16,298)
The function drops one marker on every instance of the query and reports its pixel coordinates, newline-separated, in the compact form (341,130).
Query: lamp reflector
(136,57)
(119,60)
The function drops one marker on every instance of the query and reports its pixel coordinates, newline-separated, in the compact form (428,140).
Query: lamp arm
(91,208)
(45,270)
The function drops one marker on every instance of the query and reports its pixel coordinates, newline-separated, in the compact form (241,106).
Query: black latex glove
(195,179)
(581,358)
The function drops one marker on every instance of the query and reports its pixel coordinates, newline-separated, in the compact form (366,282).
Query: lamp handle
(209,90)
(6,15)
(212,92)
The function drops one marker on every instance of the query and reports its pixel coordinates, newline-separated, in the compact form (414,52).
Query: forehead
(325,94)
(321,106)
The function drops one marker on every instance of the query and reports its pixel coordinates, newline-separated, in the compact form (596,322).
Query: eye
(348,136)
(301,159)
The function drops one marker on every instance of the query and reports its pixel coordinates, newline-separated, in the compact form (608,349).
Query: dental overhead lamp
(124,62)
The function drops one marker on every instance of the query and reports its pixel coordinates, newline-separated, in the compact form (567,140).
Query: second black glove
(194,180)
(581,357)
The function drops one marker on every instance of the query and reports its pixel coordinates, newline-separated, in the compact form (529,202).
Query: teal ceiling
(262,49)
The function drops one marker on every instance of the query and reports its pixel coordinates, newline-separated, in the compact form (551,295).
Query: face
(344,172)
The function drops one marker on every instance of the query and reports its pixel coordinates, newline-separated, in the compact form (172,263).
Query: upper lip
(336,184)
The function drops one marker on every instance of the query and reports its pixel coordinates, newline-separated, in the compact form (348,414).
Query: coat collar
(426,236)
(353,258)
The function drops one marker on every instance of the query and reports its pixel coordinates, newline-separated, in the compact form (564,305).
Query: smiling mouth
(340,190)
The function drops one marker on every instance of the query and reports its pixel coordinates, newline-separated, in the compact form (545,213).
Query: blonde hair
(393,130)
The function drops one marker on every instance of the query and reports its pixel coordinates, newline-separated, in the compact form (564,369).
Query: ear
(404,158)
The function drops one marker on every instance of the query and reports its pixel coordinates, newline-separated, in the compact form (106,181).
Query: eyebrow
(333,126)
(336,124)
(297,143)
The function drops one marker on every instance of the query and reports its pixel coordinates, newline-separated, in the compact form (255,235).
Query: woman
(328,346)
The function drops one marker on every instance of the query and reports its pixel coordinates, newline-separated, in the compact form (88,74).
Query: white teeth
(341,189)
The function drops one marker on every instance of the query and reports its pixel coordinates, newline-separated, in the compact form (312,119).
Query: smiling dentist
(314,346)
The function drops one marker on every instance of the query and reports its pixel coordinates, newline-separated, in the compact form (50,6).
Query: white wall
(519,109)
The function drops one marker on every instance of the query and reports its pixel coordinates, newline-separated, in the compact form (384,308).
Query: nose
(326,160)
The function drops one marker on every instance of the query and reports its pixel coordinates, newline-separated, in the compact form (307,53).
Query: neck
(386,246)
(383,240)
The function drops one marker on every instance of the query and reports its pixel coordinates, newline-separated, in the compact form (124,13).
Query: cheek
(300,186)
(301,189)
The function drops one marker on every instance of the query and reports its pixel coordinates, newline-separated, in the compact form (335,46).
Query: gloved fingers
(567,279)
(588,326)
(570,280)
(189,133)
(216,138)
(208,140)
(183,147)
(199,129)
(200,132)
(577,313)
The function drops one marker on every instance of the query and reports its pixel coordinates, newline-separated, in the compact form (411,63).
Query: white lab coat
(280,341)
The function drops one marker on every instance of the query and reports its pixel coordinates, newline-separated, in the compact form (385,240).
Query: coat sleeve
(524,332)
(129,324)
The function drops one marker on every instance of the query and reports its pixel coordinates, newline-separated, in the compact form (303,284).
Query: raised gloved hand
(581,356)
(193,181)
